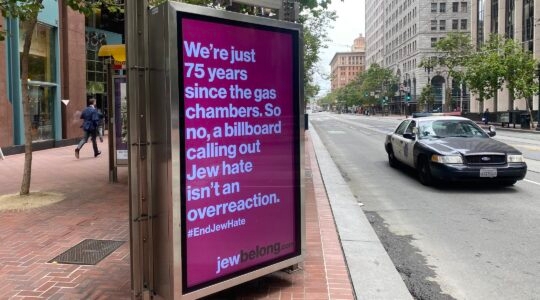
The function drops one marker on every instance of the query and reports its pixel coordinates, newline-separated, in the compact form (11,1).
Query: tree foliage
(378,82)
(315,38)
(501,63)
(453,51)
(367,89)
(485,69)
(316,18)
(426,99)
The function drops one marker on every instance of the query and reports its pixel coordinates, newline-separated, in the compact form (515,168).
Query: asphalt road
(455,242)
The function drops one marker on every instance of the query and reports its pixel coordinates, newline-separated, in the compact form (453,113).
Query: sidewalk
(95,209)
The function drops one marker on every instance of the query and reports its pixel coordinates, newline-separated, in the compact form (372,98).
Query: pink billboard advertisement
(239,133)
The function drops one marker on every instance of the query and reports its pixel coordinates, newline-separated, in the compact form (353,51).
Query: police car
(452,148)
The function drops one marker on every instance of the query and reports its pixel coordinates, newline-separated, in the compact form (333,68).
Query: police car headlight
(447,159)
(514,158)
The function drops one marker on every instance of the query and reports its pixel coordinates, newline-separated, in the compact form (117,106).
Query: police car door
(398,140)
(408,144)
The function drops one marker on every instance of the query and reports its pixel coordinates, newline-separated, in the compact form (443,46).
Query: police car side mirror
(491,131)
(409,135)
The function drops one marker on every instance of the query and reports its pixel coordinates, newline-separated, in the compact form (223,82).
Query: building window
(442,24)
(455,7)
(464,7)
(433,25)
(442,7)
(494,16)
(509,19)
(41,80)
(433,7)
(41,58)
(433,42)
(463,24)
(455,24)
(42,110)
(528,24)
(480,22)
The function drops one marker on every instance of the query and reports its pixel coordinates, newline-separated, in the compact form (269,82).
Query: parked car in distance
(451,148)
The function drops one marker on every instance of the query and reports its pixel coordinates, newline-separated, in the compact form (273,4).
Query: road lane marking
(528,147)
(533,182)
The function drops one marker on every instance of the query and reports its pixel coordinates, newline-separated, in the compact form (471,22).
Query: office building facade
(518,20)
(403,33)
(345,66)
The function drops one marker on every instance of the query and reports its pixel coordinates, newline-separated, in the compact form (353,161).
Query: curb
(372,272)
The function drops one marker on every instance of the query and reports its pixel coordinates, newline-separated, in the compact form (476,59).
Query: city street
(449,242)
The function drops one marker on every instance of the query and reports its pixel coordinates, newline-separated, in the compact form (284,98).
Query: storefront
(64,71)
(43,79)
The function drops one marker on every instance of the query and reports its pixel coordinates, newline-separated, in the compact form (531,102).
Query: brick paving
(93,208)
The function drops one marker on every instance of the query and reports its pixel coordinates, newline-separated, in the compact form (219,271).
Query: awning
(118,52)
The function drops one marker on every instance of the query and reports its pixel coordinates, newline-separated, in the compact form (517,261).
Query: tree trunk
(29,27)
(529,111)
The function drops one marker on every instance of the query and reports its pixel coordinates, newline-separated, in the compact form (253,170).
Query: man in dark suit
(90,118)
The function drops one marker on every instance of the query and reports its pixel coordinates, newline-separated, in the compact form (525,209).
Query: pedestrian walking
(90,124)
(485,116)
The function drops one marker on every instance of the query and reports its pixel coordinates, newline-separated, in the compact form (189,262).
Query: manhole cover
(87,252)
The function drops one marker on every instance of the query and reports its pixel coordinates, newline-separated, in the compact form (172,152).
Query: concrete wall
(73,71)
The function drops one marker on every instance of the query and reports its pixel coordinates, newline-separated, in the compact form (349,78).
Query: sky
(349,24)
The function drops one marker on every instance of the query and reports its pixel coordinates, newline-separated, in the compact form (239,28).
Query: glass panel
(41,101)
(41,58)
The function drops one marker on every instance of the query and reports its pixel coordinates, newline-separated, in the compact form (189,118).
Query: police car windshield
(431,129)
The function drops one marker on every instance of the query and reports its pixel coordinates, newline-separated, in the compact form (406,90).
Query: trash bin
(525,121)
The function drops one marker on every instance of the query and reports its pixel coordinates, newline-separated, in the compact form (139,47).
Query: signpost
(226,147)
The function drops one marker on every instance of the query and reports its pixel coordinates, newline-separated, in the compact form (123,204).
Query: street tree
(486,70)
(500,63)
(378,82)
(315,40)
(426,99)
(452,53)
(27,11)
(327,100)
(519,72)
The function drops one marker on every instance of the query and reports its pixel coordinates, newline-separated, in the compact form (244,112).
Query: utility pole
(140,207)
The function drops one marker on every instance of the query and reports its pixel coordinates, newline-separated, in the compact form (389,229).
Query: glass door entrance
(41,101)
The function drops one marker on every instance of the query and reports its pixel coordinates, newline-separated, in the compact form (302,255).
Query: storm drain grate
(87,252)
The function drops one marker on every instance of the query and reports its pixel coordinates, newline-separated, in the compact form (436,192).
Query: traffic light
(408,97)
